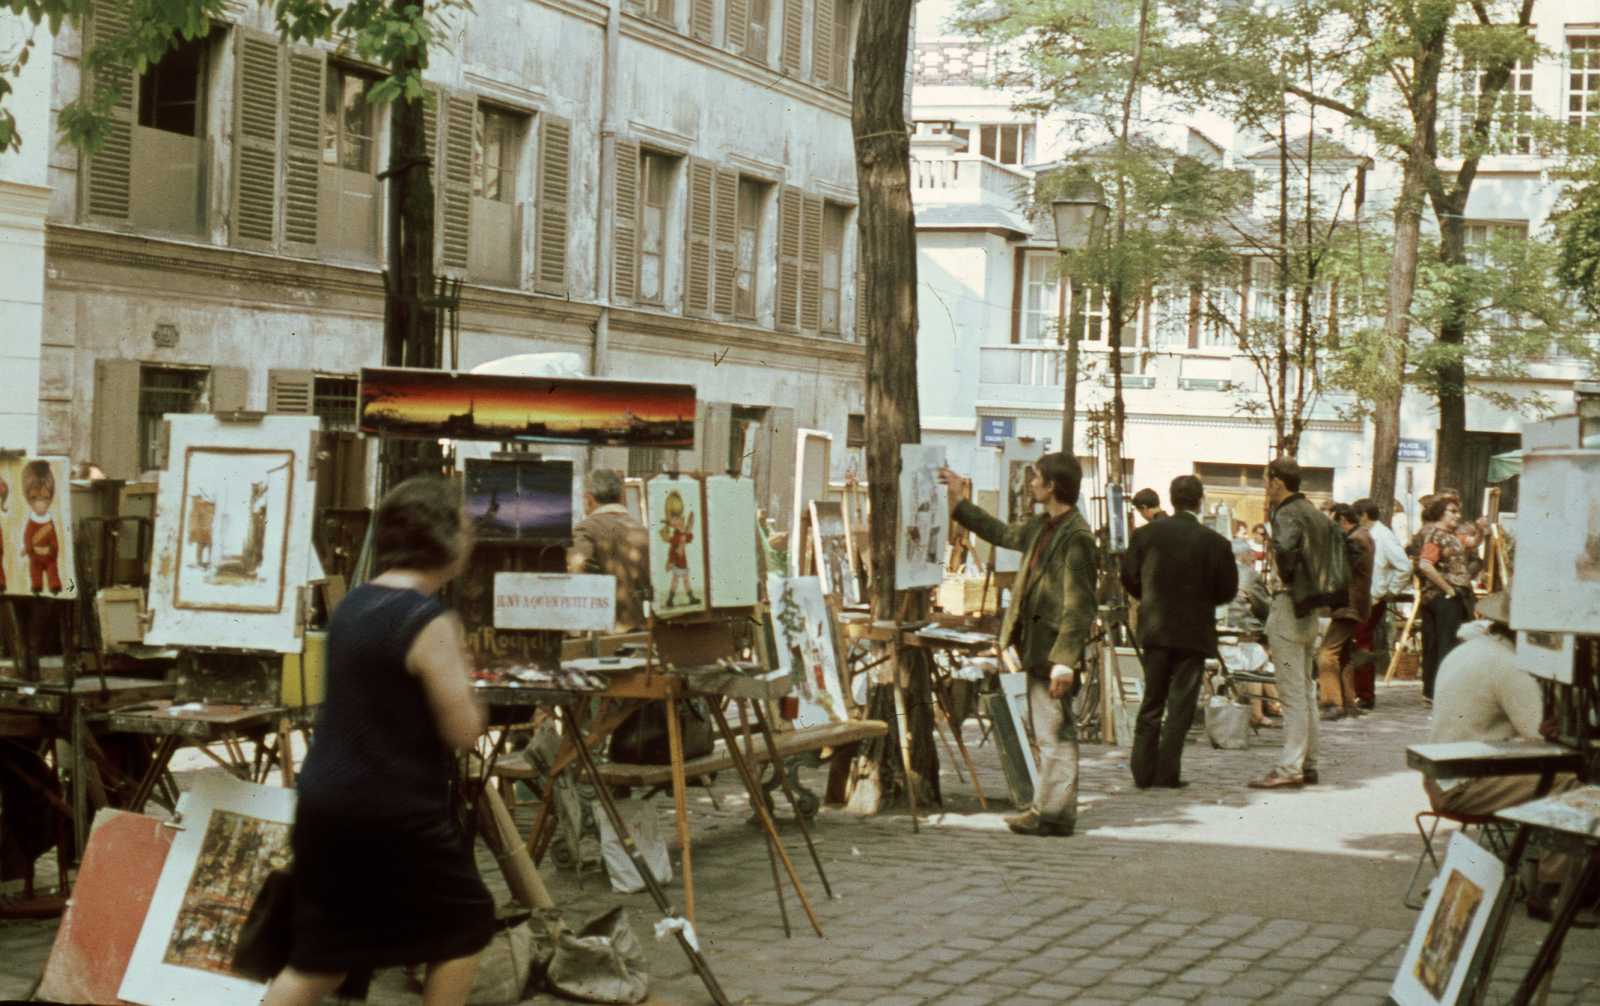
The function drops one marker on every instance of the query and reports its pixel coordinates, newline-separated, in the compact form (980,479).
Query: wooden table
(203,724)
(1486,759)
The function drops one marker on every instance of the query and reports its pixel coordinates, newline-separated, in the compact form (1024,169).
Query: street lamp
(1080,218)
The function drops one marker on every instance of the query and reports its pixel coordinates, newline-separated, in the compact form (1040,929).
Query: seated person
(1481,696)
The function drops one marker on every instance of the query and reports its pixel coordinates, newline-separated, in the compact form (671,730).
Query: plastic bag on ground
(1227,724)
(645,827)
(603,963)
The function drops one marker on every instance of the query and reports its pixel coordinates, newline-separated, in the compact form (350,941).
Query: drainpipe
(600,363)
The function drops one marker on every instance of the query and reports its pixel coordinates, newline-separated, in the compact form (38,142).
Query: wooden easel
(1405,634)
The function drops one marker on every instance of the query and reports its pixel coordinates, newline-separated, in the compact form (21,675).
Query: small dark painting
(520,500)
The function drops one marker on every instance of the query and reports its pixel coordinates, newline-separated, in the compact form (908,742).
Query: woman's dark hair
(1064,474)
(1285,470)
(1435,509)
(418,524)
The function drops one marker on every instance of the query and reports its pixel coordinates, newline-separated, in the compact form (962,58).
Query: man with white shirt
(1391,577)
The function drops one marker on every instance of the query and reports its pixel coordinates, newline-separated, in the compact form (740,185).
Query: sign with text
(575,601)
(996,430)
(1416,450)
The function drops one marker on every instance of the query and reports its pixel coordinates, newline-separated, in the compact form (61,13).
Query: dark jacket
(1300,534)
(1052,606)
(1180,570)
(1360,550)
(610,541)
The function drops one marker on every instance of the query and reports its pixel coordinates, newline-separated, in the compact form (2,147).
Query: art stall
(1554,585)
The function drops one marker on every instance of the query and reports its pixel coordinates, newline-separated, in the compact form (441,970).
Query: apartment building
(666,188)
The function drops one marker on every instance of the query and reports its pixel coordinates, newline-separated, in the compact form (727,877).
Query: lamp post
(1080,219)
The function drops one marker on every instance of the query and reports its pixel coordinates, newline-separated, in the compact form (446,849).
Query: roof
(971,216)
(1326,150)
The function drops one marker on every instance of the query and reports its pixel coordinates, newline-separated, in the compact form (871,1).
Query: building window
(494,239)
(855,430)
(661,10)
(835,222)
(348,203)
(644,462)
(1509,129)
(494,169)
(655,176)
(348,136)
(1583,80)
(1094,311)
(171,91)
(1041,297)
(757,30)
(163,390)
(1263,289)
(335,401)
(752,203)
(1006,144)
(842,51)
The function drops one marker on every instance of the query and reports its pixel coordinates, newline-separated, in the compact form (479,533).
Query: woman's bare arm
(438,658)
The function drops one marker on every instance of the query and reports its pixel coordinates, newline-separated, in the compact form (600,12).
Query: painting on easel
(731,541)
(805,648)
(834,553)
(528,501)
(677,555)
(924,516)
(235,523)
(35,521)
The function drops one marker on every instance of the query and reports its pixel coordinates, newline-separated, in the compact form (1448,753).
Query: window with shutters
(163,390)
(335,402)
(751,205)
(839,38)
(150,174)
(660,10)
(656,173)
(835,225)
(348,199)
(552,198)
(757,30)
(495,239)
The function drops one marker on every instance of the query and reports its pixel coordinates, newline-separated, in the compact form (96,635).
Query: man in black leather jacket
(1299,556)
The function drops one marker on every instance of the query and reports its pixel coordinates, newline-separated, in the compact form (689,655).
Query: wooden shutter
(822,44)
(811,264)
(726,241)
(109,181)
(114,433)
(861,304)
(291,392)
(698,263)
(791,206)
(700,19)
(625,226)
(302,145)
(738,27)
(555,173)
(794,24)
(255,138)
(458,119)
(230,389)
(713,424)
(779,463)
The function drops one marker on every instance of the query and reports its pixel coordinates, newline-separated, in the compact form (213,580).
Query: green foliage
(1578,231)
(396,36)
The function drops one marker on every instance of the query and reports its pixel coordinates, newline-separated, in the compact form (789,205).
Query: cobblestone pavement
(1214,895)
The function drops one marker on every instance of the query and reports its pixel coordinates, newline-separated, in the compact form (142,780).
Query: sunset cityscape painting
(496,407)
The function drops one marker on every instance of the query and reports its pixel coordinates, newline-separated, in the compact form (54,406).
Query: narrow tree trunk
(888,252)
(410,336)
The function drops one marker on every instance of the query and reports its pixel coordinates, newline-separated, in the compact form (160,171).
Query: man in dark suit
(1047,623)
(1180,570)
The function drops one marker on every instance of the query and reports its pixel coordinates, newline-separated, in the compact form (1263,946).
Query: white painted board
(731,542)
(924,518)
(1557,583)
(578,602)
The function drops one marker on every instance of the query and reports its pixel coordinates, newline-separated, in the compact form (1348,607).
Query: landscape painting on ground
(236,855)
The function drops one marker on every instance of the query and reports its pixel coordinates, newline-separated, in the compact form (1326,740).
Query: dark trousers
(1441,620)
(1172,680)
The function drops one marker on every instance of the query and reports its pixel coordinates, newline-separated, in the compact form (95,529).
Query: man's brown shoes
(1031,824)
(1278,780)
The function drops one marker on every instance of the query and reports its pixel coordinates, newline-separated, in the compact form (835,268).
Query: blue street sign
(996,430)
(1416,450)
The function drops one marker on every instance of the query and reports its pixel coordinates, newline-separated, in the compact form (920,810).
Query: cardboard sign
(575,601)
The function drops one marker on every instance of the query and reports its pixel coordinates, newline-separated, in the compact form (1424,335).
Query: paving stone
(1309,947)
(1223,1001)
(1186,916)
(1156,1001)
(1207,976)
(1183,991)
(1054,991)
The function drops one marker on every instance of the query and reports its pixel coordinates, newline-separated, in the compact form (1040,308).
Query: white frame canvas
(813,454)
(834,553)
(17,515)
(1548,655)
(730,537)
(223,800)
(819,685)
(924,518)
(658,490)
(1557,583)
(1450,926)
(256,606)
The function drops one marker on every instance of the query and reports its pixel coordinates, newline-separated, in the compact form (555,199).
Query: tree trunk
(887,246)
(1420,157)
(410,333)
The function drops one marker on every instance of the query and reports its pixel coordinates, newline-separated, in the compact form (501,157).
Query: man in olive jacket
(1180,570)
(1048,621)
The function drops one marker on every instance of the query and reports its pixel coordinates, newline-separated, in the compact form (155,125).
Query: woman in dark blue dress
(381,874)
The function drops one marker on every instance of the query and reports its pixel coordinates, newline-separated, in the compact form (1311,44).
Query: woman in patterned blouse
(1446,585)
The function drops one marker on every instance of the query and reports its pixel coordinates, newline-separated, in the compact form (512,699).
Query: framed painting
(1452,922)
(807,653)
(1557,583)
(233,533)
(730,538)
(234,834)
(36,555)
(834,552)
(924,518)
(677,553)
(433,404)
(526,501)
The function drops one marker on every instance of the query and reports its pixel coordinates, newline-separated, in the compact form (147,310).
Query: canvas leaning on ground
(1451,924)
